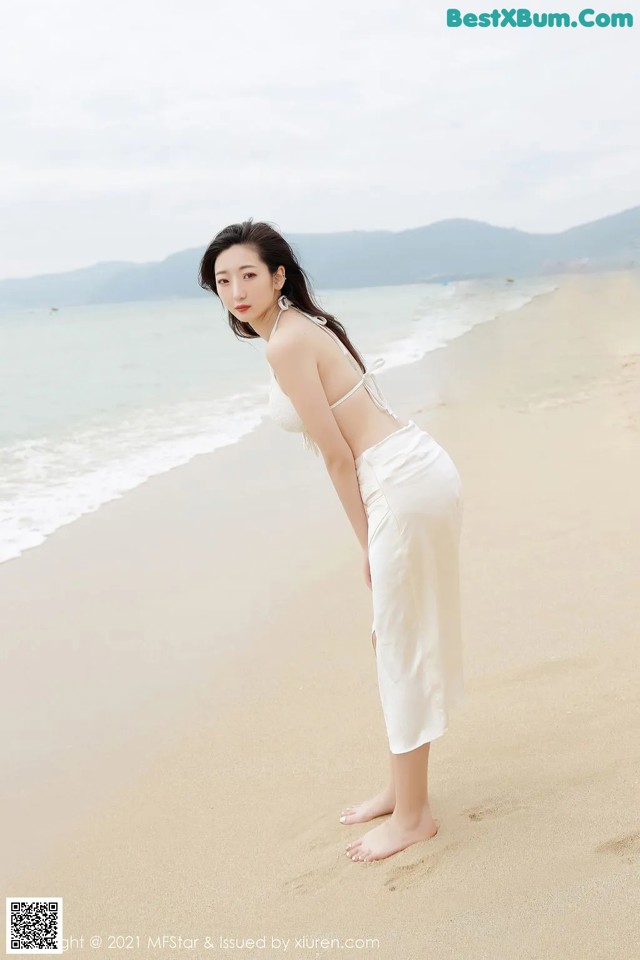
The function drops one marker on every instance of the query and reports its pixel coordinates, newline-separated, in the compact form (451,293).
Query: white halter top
(282,411)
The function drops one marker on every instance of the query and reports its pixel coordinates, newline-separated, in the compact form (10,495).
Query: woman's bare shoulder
(293,327)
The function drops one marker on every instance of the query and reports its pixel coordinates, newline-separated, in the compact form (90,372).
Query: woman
(401,492)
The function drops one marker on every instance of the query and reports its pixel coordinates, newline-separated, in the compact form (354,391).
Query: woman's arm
(296,369)
(343,476)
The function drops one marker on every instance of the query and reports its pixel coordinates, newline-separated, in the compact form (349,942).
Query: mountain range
(448,250)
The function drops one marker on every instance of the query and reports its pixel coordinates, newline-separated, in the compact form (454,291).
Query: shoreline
(233,430)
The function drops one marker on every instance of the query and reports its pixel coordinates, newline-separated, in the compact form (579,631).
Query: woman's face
(243,279)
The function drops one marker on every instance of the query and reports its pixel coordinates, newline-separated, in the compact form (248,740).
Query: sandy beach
(189,696)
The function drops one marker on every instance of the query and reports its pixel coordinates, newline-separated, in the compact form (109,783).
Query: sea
(95,400)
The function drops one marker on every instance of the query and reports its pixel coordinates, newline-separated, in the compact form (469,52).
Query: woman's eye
(221,280)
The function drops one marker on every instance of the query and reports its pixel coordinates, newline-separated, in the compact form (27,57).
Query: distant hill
(448,250)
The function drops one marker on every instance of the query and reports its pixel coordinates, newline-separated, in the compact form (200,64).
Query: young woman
(401,492)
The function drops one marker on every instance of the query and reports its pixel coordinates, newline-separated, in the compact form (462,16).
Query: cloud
(141,131)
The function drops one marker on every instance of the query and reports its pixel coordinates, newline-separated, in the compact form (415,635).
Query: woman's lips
(243,308)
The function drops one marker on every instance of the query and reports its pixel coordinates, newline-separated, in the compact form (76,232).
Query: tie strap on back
(366,376)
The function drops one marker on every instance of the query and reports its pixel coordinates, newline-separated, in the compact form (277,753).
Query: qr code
(34,925)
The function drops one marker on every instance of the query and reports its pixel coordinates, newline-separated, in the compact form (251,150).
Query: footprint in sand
(498,809)
(304,882)
(626,847)
(409,874)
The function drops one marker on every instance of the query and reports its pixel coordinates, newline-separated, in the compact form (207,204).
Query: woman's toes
(349,812)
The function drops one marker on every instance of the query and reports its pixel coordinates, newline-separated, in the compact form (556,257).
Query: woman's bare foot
(383,802)
(390,837)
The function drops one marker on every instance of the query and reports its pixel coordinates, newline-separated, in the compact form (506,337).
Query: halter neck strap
(284,303)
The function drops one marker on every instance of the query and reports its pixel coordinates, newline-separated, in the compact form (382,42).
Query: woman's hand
(367,569)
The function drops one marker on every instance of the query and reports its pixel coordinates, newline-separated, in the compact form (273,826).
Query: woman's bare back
(361,422)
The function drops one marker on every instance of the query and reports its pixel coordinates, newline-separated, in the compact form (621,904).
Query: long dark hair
(274,251)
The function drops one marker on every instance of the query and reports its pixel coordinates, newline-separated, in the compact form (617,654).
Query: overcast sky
(132,130)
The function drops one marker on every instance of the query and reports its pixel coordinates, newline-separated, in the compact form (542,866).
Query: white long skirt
(412,494)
